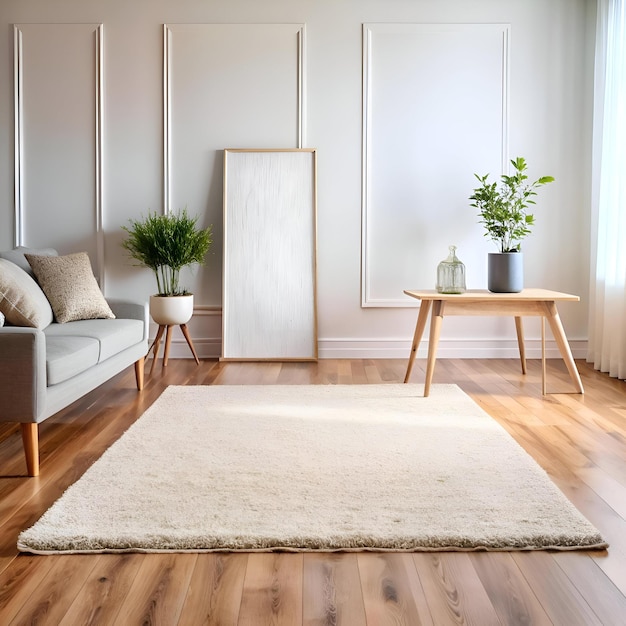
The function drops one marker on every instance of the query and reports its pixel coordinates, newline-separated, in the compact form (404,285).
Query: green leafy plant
(504,210)
(166,244)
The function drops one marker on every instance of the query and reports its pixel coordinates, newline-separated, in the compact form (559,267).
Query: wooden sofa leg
(139,369)
(30,438)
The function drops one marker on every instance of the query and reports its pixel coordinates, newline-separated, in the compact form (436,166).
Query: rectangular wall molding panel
(58,74)
(435,110)
(225,86)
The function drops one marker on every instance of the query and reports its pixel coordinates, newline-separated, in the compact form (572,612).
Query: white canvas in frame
(435,110)
(269,285)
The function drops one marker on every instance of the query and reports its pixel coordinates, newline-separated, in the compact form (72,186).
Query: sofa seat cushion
(112,335)
(69,356)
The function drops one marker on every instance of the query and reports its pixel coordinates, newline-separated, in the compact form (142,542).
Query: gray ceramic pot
(505,272)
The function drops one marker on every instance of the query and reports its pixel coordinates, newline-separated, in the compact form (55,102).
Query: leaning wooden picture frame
(269,301)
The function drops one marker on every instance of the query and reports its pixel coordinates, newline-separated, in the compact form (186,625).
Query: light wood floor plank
(272,590)
(511,595)
(19,583)
(214,594)
(159,589)
(392,592)
(455,593)
(558,595)
(53,595)
(99,600)
(606,601)
(332,590)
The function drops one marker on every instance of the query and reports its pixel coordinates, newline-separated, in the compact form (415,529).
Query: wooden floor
(579,440)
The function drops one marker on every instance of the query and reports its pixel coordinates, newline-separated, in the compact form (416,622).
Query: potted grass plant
(166,244)
(504,212)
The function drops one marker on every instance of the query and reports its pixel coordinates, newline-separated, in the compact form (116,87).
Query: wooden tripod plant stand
(167,329)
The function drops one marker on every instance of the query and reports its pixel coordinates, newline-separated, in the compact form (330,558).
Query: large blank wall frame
(269,299)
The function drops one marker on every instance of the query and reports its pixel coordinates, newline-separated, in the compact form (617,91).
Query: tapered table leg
(435,327)
(561,340)
(519,328)
(417,337)
(543,356)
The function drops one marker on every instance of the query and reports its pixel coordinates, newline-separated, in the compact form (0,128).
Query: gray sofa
(46,365)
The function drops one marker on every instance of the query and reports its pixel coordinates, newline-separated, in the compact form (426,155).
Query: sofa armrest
(126,309)
(22,374)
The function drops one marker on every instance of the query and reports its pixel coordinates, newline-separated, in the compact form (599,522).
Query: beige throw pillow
(70,286)
(21,300)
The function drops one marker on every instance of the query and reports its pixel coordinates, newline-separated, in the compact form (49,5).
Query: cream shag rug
(312,467)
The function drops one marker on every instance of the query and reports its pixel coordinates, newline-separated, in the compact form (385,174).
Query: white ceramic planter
(171,310)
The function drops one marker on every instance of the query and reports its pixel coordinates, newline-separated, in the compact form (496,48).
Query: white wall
(549,113)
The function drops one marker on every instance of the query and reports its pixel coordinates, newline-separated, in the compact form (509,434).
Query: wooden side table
(529,302)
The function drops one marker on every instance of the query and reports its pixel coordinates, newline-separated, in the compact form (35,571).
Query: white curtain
(607,314)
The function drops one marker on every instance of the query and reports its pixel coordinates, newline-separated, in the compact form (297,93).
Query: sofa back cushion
(17,256)
(22,302)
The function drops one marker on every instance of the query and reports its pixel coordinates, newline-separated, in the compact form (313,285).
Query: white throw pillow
(22,302)
(70,286)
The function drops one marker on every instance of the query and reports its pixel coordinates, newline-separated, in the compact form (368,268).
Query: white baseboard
(205,329)
(450,349)
(210,348)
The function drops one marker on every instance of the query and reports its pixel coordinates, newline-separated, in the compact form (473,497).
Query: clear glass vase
(451,274)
